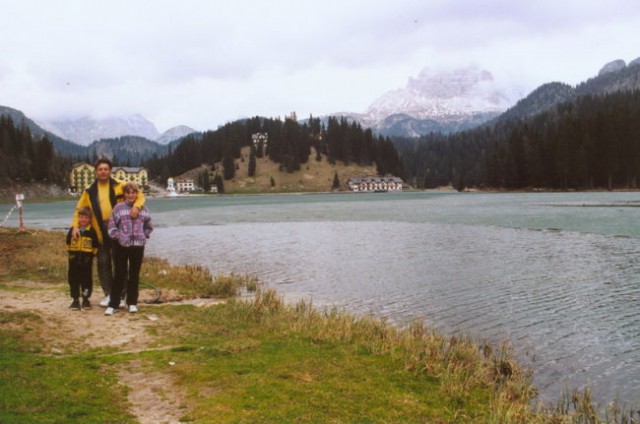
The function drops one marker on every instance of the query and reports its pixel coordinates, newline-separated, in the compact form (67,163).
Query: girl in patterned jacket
(130,235)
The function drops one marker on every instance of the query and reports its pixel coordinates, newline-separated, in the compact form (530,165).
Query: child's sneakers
(85,303)
(133,309)
(110,311)
(75,305)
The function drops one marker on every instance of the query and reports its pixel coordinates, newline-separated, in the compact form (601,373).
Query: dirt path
(154,396)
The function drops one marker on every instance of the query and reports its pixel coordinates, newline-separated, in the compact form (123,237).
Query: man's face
(103,172)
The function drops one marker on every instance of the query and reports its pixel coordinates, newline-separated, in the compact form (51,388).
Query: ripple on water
(566,297)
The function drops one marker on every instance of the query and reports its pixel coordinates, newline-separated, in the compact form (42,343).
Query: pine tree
(206,184)
(336,182)
(219,183)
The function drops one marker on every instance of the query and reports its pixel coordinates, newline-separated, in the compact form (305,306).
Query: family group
(111,223)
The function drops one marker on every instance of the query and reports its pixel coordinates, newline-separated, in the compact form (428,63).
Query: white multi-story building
(185,186)
(375,184)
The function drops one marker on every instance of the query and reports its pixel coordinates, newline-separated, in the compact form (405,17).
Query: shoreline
(6,198)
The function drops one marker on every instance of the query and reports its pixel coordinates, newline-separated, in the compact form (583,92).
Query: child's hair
(86,211)
(130,186)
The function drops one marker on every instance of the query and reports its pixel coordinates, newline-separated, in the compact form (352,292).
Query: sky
(203,63)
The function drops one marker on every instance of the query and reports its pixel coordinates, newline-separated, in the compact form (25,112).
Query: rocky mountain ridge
(438,101)
(443,94)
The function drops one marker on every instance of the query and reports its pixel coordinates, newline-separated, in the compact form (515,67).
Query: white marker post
(19,199)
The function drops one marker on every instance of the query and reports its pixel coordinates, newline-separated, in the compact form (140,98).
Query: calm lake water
(555,274)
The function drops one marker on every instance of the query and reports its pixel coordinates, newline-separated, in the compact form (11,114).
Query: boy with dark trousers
(81,250)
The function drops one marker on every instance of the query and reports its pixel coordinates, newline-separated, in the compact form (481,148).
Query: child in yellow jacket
(81,252)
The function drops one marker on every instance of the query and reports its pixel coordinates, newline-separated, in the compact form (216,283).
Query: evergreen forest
(23,159)
(592,142)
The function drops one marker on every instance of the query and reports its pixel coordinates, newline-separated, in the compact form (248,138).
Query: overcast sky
(203,63)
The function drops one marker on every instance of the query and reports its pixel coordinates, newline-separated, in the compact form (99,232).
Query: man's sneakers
(133,309)
(85,303)
(105,302)
(110,311)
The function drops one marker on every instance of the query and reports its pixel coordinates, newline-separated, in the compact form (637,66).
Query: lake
(555,274)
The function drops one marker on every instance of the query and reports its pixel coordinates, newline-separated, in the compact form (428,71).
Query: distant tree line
(590,142)
(25,160)
(289,144)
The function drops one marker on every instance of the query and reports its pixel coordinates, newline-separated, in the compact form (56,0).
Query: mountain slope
(127,150)
(174,133)
(613,76)
(62,146)
(541,99)
(314,176)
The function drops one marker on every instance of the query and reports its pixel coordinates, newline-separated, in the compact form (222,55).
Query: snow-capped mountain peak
(443,95)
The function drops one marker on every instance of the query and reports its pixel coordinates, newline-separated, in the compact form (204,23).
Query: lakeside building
(375,184)
(185,185)
(181,186)
(136,174)
(82,175)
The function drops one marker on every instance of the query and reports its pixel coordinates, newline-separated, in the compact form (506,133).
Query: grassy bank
(252,360)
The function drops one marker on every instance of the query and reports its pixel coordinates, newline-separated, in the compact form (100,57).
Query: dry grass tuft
(32,254)
(190,281)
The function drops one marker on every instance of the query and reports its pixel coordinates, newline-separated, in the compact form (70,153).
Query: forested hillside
(588,143)
(24,160)
(288,143)
(127,150)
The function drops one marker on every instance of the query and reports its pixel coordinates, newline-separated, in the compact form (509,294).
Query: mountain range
(130,139)
(86,130)
(435,101)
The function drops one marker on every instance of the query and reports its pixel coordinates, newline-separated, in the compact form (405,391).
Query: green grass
(257,363)
(37,388)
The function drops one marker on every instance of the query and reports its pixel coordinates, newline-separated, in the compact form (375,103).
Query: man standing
(101,197)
